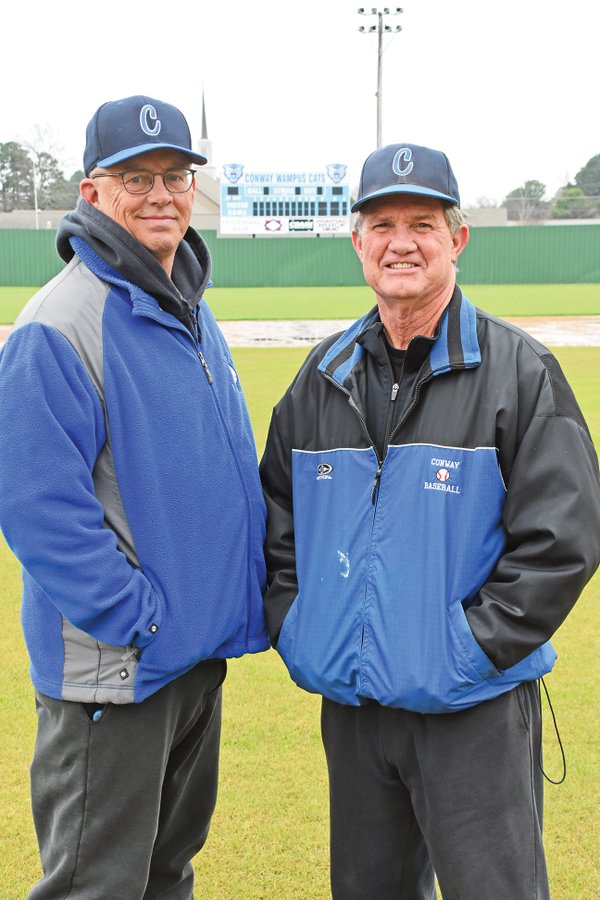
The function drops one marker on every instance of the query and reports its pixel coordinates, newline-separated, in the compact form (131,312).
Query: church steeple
(204,144)
(204,135)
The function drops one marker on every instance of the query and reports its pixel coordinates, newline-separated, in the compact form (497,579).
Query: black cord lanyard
(560,744)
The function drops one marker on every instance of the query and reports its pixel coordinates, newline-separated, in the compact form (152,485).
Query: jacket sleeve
(276,475)
(51,431)
(552,525)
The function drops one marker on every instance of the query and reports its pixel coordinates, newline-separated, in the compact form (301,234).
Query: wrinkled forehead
(402,205)
(154,161)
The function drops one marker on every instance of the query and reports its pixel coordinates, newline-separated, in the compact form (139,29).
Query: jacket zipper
(375,489)
(363,423)
(197,337)
(207,371)
(394,394)
(374,494)
(410,408)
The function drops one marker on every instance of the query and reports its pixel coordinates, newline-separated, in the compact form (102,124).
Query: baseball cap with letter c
(407,169)
(121,129)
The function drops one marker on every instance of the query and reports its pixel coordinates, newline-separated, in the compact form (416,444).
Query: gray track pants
(122,804)
(458,794)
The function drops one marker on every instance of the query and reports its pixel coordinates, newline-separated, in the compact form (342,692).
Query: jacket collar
(133,263)
(454,345)
(143,303)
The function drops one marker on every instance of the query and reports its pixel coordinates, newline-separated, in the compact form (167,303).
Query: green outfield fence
(535,254)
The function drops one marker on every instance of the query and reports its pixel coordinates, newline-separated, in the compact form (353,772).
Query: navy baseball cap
(406,169)
(121,129)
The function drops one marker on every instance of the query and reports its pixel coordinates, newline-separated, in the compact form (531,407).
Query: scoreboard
(285,203)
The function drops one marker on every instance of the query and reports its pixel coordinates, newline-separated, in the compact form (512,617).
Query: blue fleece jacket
(129,488)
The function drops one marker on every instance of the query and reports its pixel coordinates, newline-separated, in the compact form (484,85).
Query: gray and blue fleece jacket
(129,485)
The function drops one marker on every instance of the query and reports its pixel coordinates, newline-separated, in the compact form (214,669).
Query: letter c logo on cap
(148,113)
(403,155)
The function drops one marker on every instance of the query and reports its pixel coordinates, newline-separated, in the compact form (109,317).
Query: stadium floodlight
(381,28)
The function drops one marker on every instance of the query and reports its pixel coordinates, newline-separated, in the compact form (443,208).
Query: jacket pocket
(285,644)
(321,651)
(94,671)
(471,663)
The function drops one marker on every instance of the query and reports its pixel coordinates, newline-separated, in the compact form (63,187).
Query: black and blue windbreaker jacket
(429,576)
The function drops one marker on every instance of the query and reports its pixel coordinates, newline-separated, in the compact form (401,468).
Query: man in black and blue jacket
(433,506)
(129,491)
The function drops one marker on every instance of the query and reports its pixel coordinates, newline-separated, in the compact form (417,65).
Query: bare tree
(526,204)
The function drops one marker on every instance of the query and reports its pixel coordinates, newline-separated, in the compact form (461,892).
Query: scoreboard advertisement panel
(286,203)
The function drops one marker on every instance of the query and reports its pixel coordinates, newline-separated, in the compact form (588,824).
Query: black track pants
(457,794)
(123,803)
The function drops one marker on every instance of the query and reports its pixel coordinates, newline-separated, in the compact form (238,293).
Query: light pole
(35,195)
(33,160)
(381,28)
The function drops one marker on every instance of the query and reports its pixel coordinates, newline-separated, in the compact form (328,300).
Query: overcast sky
(508,90)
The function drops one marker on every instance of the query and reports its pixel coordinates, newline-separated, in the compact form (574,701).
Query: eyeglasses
(140,181)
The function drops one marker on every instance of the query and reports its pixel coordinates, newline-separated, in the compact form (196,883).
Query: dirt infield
(562,331)
(579,331)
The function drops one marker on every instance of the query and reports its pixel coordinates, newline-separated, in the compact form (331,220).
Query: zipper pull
(205,367)
(395,389)
(376,483)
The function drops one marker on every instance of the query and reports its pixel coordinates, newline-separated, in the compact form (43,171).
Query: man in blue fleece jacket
(129,491)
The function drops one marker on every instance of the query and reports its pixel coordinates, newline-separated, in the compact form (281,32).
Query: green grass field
(269,839)
(351,302)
